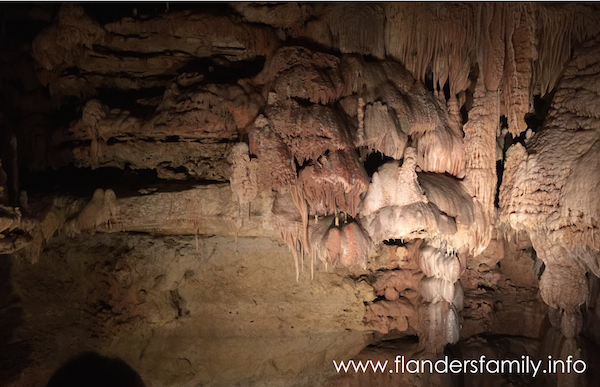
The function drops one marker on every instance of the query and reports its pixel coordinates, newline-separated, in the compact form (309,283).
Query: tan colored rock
(161,45)
(244,179)
(172,160)
(334,183)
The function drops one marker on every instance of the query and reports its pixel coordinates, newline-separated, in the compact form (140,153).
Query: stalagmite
(93,113)
(550,185)
(395,206)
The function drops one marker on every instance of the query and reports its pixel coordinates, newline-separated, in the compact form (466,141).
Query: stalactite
(444,296)
(440,147)
(360,113)
(100,210)
(302,206)
(558,29)
(291,238)
(381,131)
(325,240)
(335,182)
(443,35)
(520,54)
(243,180)
(434,263)
(521,48)
(480,138)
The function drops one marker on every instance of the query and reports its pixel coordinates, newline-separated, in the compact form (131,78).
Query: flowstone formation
(325,177)
(550,192)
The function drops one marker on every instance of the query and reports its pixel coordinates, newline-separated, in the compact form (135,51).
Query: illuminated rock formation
(261,188)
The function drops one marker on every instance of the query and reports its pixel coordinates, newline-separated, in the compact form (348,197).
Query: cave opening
(374,160)
(541,108)
(219,69)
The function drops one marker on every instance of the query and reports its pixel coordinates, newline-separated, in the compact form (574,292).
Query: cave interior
(246,194)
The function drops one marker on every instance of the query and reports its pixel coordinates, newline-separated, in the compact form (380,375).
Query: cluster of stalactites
(312,141)
(521,48)
(333,240)
(391,108)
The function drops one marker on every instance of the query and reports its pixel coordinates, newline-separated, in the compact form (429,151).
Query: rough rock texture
(297,72)
(334,183)
(210,303)
(546,184)
(168,170)
(501,291)
(166,43)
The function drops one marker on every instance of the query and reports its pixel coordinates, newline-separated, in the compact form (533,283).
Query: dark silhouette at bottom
(93,370)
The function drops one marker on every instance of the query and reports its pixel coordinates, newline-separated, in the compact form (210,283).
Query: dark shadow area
(218,69)
(497,347)
(541,108)
(394,242)
(13,355)
(499,175)
(105,13)
(93,370)
(82,182)
(374,160)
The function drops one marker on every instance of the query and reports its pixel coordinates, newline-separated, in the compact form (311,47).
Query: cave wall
(239,193)
(182,311)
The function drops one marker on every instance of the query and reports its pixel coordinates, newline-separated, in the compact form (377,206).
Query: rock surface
(238,194)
